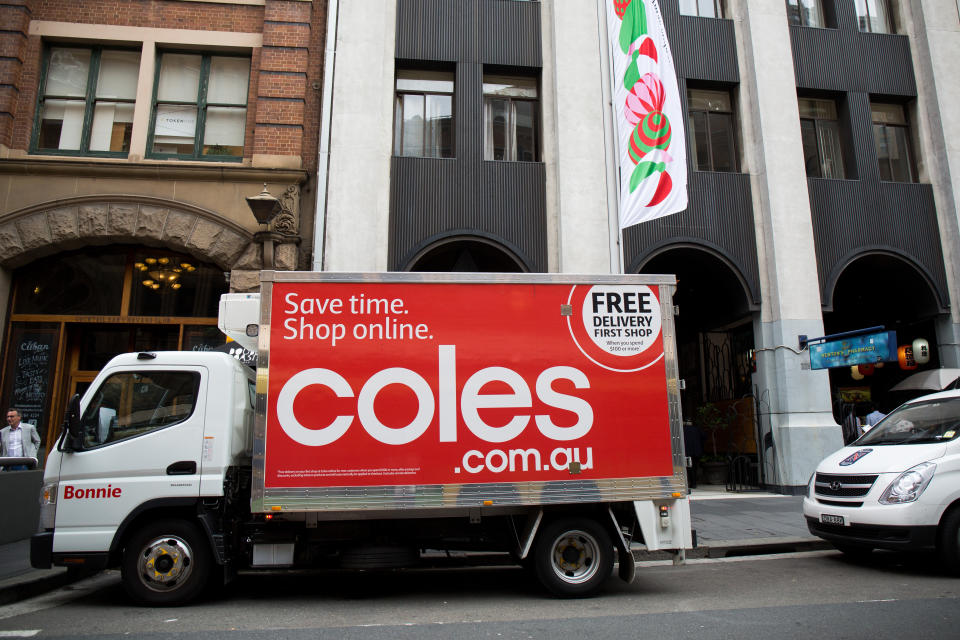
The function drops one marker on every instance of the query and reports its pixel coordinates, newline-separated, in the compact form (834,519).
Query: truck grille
(840,486)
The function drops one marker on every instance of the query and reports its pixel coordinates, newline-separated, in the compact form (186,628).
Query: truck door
(143,439)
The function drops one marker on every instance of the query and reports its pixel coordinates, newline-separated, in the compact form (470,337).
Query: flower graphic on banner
(644,103)
(646,133)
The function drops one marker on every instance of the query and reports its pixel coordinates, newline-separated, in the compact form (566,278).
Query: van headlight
(909,485)
(48,505)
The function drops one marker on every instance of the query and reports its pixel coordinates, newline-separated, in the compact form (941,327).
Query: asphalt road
(808,595)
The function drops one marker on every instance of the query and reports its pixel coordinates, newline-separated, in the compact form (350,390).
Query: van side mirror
(71,424)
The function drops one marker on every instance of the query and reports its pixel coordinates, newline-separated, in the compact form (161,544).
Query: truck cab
(154,438)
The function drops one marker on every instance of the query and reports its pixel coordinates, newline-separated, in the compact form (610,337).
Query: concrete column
(361,139)
(933,27)
(797,399)
(575,151)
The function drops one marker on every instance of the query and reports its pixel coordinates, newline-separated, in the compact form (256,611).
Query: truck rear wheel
(573,557)
(166,563)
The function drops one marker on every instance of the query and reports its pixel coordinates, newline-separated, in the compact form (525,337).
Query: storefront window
(73,312)
(72,284)
(169,284)
(202,338)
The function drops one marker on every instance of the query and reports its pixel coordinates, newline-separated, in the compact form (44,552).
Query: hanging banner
(648,113)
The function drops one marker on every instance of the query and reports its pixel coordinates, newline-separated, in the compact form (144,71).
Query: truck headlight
(909,485)
(48,505)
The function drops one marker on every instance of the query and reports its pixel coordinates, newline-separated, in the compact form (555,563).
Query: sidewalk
(726,524)
(748,523)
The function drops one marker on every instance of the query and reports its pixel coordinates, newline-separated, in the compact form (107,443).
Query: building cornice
(161,171)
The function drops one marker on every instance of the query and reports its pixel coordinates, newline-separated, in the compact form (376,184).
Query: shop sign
(863,349)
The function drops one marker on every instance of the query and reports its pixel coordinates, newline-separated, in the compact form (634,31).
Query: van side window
(133,403)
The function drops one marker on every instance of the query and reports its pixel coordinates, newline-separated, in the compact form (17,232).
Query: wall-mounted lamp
(264,206)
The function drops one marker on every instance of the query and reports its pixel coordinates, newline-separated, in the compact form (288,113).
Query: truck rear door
(143,440)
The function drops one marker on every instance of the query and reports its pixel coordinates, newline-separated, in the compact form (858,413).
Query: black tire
(573,557)
(166,563)
(854,551)
(948,544)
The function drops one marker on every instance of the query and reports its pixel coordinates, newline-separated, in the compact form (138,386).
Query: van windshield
(917,423)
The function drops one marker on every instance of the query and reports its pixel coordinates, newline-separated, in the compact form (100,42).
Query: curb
(739,548)
(37,582)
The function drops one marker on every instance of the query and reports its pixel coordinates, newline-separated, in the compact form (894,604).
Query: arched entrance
(714,341)
(880,290)
(467,255)
(73,311)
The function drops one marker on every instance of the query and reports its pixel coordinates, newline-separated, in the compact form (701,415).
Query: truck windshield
(917,423)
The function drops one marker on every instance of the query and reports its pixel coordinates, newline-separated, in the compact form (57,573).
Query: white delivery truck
(897,486)
(389,414)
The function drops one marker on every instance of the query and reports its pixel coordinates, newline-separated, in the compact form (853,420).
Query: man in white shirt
(18,439)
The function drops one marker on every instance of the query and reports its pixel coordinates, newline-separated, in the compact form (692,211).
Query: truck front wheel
(166,563)
(573,557)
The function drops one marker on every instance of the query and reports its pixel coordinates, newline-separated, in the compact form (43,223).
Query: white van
(897,486)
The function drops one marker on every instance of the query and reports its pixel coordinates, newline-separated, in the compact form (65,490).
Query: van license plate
(828,519)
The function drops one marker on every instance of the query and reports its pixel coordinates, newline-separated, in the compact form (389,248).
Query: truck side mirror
(71,423)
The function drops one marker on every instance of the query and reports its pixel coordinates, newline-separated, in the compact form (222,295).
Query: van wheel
(949,543)
(573,557)
(166,563)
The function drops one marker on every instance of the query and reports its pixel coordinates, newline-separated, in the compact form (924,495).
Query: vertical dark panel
(884,63)
(707,50)
(510,33)
(853,216)
(818,58)
(501,201)
(848,60)
(720,211)
(431,199)
(435,30)
(719,217)
(861,214)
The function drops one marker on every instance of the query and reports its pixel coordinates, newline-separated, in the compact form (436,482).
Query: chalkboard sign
(33,355)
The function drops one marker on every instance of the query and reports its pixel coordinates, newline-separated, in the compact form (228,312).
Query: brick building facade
(131,132)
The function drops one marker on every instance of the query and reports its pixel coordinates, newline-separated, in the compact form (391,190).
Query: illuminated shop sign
(863,349)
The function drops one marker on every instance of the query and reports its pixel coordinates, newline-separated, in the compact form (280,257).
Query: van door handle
(182,468)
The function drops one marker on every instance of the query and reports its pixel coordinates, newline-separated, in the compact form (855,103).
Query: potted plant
(711,419)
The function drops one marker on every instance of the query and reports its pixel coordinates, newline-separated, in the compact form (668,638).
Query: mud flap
(525,539)
(627,567)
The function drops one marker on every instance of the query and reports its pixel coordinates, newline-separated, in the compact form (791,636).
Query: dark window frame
(398,120)
(795,15)
(819,124)
(718,9)
(907,141)
(710,116)
(201,104)
(864,20)
(536,113)
(90,101)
